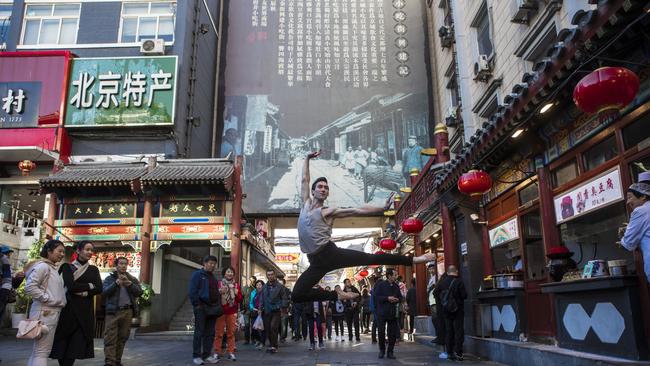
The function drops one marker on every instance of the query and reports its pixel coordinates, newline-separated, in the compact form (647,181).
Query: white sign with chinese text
(504,233)
(598,192)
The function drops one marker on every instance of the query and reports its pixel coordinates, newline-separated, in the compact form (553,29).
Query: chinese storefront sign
(192,209)
(504,233)
(124,91)
(99,210)
(287,257)
(19,103)
(600,191)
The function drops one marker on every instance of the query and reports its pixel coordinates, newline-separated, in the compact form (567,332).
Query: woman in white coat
(45,286)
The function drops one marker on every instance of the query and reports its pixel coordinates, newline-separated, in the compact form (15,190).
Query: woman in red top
(231,297)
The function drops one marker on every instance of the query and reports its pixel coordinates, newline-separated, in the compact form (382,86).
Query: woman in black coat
(76,330)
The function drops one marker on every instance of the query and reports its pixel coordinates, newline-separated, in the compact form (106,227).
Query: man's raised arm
(304,186)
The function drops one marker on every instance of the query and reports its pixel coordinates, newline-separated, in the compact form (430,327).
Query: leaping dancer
(315,235)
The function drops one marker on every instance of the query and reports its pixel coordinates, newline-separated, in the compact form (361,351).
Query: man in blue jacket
(387,299)
(205,299)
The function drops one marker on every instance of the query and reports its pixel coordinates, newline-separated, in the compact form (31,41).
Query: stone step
(177,335)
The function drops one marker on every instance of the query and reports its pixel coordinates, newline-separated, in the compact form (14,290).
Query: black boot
(391,355)
(381,354)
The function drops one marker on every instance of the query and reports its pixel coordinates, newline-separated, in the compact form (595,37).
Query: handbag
(213,309)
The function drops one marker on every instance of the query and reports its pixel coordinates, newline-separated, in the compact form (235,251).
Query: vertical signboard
(347,77)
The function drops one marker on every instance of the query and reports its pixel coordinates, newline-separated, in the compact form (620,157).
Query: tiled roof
(196,171)
(95,175)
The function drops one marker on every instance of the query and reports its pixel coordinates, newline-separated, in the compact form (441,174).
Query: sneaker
(342,339)
(259,346)
(381,355)
(337,339)
(212,359)
(459,357)
(274,350)
(231,357)
(321,345)
(390,355)
(312,346)
(443,356)
(197,361)
(358,339)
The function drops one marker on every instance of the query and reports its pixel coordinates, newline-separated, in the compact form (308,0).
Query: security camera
(474,217)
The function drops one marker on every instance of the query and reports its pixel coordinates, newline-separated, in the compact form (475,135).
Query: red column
(488,264)
(448,239)
(550,232)
(235,251)
(415,172)
(441,143)
(421,283)
(145,251)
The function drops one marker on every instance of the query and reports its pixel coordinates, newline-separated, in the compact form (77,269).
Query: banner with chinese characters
(19,103)
(347,77)
(192,208)
(191,228)
(96,229)
(504,233)
(99,210)
(598,192)
(123,91)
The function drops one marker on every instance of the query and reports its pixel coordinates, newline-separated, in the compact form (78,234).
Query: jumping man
(315,236)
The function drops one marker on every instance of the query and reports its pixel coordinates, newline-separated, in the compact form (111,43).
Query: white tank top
(313,231)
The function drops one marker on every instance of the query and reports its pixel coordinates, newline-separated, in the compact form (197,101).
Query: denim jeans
(203,333)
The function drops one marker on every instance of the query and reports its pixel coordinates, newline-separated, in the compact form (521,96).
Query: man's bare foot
(347,295)
(428,257)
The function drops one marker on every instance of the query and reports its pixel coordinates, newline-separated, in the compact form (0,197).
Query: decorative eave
(86,175)
(592,27)
(191,172)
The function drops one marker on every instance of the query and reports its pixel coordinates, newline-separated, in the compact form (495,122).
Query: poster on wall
(347,77)
(504,233)
(105,261)
(596,193)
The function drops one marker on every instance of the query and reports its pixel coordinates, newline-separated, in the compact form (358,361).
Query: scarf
(80,268)
(228,298)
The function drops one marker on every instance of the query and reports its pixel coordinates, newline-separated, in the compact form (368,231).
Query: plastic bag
(259,323)
(241,321)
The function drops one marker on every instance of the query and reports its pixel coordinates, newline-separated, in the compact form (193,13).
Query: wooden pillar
(488,264)
(448,238)
(145,251)
(51,216)
(550,232)
(235,219)
(420,275)
(441,143)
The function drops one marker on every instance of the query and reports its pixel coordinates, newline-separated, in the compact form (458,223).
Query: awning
(95,175)
(190,171)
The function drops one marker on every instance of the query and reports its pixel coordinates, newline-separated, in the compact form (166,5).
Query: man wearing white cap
(637,232)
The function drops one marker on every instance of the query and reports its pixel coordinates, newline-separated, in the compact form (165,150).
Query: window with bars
(51,23)
(147,20)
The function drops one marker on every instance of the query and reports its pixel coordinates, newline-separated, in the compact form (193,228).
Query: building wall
(97,36)
(514,45)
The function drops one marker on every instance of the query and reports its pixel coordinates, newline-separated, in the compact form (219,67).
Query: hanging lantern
(606,89)
(380,252)
(412,225)
(26,166)
(387,244)
(363,273)
(475,183)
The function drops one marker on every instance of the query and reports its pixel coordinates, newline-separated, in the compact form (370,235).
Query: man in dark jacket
(284,313)
(121,292)
(352,310)
(453,288)
(388,298)
(204,296)
(274,298)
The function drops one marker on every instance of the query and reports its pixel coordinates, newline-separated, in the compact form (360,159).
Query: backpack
(447,299)
(339,307)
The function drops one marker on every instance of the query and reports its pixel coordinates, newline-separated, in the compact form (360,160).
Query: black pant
(203,333)
(315,320)
(284,325)
(272,327)
(455,332)
(411,322)
(439,324)
(4,297)
(374,328)
(393,332)
(352,318)
(299,324)
(331,257)
(338,324)
(365,321)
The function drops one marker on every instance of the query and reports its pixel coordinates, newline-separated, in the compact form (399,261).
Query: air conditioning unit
(451,117)
(525,9)
(482,68)
(3,46)
(152,47)
(446,34)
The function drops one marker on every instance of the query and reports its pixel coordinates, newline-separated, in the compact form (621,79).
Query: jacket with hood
(39,275)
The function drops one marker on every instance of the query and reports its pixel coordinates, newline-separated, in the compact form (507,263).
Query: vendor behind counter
(636,234)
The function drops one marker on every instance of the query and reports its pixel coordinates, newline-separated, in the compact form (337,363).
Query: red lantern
(363,273)
(387,244)
(380,252)
(606,89)
(475,183)
(26,166)
(412,225)
(358,278)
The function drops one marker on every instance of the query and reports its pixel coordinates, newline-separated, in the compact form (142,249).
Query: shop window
(51,24)
(5,20)
(528,194)
(565,173)
(637,132)
(594,236)
(506,257)
(602,152)
(535,258)
(147,20)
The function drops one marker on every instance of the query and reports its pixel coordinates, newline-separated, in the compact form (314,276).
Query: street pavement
(156,352)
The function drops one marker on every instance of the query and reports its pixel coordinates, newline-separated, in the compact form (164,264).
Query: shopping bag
(259,323)
(241,321)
